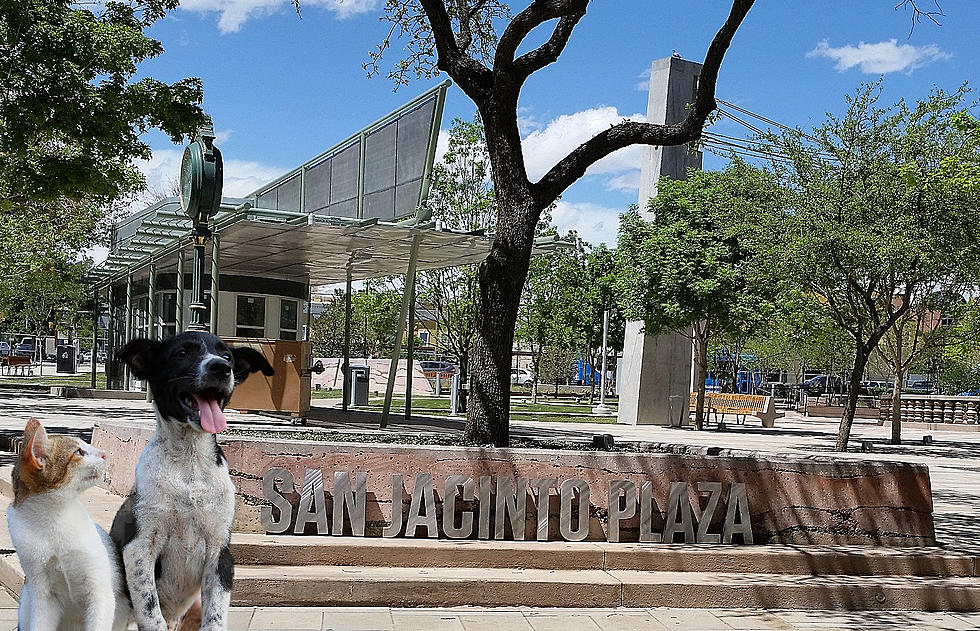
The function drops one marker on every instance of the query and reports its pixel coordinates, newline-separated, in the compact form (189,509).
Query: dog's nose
(219,368)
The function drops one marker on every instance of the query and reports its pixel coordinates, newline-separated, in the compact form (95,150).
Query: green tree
(461,198)
(940,319)
(693,269)
(598,288)
(800,338)
(71,116)
(879,201)
(550,307)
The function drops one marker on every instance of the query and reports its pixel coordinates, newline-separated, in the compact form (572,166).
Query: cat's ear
(35,443)
(140,355)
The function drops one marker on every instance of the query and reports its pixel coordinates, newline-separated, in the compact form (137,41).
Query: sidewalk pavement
(522,619)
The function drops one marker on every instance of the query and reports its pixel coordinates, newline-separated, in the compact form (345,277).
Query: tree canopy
(71,116)
(881,198)
(693,267)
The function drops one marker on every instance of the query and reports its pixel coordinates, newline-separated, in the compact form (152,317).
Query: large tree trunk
(501,279)
(850,406)
(700,375)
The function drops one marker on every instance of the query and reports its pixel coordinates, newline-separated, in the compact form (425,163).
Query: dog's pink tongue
(212,417)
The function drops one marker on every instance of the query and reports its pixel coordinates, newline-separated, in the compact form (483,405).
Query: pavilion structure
(355,212)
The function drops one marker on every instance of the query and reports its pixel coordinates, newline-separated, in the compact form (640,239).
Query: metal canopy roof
(322,250)
(274,243)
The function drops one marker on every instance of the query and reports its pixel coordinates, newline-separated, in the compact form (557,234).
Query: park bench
(20,364)
(741,405)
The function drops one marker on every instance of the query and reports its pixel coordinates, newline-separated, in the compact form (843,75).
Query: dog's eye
(79,452)
(181,353)
(226,356)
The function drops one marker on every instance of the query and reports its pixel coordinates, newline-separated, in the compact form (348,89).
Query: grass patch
(442,439)
(80,381)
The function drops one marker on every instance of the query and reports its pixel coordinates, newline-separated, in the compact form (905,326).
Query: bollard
(454,396)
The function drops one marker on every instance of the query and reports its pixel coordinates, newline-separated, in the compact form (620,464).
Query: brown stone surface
(799,501)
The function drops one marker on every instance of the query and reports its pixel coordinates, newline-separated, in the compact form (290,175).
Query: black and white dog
(172,533)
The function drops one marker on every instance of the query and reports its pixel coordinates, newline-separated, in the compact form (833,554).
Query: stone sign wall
(310,487)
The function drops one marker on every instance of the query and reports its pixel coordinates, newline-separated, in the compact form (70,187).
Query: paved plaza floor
(516,619)
(524,619)
(953,459)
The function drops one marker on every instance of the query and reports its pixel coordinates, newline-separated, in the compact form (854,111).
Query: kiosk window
(167,313)
(250,317)
(288,316)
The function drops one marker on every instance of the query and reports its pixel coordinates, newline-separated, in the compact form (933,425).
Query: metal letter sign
(201,181)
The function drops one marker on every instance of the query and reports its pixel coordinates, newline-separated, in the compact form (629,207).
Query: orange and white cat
(74,581)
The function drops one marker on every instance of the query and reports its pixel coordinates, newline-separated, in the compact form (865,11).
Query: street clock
(201,178)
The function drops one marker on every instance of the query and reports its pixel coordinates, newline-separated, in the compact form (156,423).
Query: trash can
(680,409)
(360,384)
(66,359)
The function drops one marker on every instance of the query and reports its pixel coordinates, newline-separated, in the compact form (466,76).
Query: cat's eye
(79,452)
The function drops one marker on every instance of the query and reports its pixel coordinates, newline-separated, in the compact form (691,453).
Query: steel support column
(179,316)
(347,313)
(110,338)
(95,332)
(410,329)
(151,312)
(215,279)
(402,312)
(128,330)
(309,310)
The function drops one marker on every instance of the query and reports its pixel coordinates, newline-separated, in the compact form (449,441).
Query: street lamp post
(602,408)
(201,181)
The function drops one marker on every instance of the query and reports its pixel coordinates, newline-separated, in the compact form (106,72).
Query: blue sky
(283,88)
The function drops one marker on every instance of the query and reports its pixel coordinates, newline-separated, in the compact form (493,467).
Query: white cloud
(628,182)
(442,144)
(880,58)
(241,176)
(221,136)
(234,13)
(643,85)
(594,223)
(544,147)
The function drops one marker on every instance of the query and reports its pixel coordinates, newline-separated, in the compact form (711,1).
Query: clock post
(201,181)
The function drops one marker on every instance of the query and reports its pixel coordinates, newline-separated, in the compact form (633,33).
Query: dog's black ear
(249,360)
(140,355)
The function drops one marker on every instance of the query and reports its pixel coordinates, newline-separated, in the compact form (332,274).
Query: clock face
(187,180)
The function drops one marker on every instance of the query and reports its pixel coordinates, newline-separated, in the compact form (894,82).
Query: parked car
(4,349)
(521,377)
(27,347)
(874,387)
(437,367)
(824,384)
(919,387)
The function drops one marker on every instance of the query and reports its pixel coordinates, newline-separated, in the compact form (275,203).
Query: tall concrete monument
(655,374)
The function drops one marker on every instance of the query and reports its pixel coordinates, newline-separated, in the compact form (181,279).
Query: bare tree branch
(574,165)
(472,76)
(537,13)
(918,14)
(548,53)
